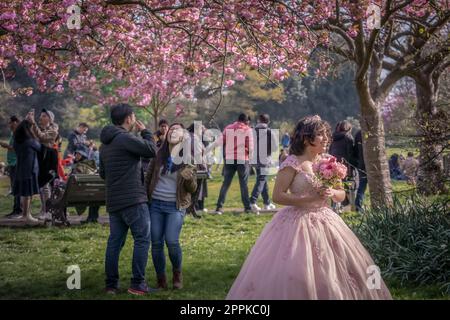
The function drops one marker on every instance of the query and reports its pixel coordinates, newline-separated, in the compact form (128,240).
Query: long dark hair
(343,126)
(163,155)
(306,130)
(23,132)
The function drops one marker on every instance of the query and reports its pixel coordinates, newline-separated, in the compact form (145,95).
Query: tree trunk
(431,130)
(374,149)
(155,119)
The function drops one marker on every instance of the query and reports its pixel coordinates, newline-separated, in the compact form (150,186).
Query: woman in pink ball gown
(307,251)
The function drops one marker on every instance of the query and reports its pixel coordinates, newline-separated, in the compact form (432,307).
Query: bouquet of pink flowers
(330,172)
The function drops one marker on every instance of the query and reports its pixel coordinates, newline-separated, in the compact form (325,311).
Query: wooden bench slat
(87,189)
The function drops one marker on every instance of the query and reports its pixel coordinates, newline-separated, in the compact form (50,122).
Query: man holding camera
(126,197)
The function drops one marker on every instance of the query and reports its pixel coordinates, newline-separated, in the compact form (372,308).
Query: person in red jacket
(237,142)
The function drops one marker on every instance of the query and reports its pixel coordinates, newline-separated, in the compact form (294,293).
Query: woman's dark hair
(14,119)
(120,112)
(264,118)
(163,154)
(306,130)
(394,159)
(23,132)
(343,126)
(243,118)
(162,121)
(191,128)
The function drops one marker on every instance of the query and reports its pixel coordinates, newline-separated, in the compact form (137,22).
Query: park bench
(81,190)
(84,190)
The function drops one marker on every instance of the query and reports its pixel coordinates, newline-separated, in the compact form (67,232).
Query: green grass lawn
(33,261)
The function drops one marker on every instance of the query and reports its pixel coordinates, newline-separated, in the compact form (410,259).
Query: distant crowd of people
(35,161)
(404,169)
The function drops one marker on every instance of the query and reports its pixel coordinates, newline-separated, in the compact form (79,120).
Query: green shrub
(410,241)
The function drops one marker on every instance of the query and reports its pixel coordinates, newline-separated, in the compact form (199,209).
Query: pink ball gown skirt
(307,253)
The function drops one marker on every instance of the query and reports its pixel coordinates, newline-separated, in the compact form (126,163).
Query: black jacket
(48,165)
(358,153)
(342,148)
(266,140)
(120,166)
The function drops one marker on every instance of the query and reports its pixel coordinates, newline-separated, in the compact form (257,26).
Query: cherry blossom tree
(429,35)
(131,39)
(368,34)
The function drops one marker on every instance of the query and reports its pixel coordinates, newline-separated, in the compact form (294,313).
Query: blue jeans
(137,219)
(167,221)
(261,187)
(362,185)
(229,170)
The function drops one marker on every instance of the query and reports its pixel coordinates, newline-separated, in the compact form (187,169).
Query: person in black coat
(26,183)
(361,166)
(342,148)
(343,142)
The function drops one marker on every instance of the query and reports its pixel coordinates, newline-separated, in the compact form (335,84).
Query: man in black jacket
(126,198)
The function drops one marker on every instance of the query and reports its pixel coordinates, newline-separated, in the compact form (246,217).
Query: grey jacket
(120,166)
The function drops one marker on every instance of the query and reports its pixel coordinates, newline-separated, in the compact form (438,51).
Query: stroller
(56,204)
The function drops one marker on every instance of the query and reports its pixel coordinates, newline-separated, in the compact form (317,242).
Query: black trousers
(12,177)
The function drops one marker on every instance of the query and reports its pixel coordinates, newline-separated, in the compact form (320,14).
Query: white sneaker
(45,216)
(270,206)
(31,220)
(205,210)
(255,207)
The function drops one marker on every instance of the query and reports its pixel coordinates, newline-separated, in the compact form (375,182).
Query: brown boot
(177,280)
(162,282)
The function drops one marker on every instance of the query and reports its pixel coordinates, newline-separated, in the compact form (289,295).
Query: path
(76,220)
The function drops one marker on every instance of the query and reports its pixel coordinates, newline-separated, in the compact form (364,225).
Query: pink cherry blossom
(29,48)
(229,83)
